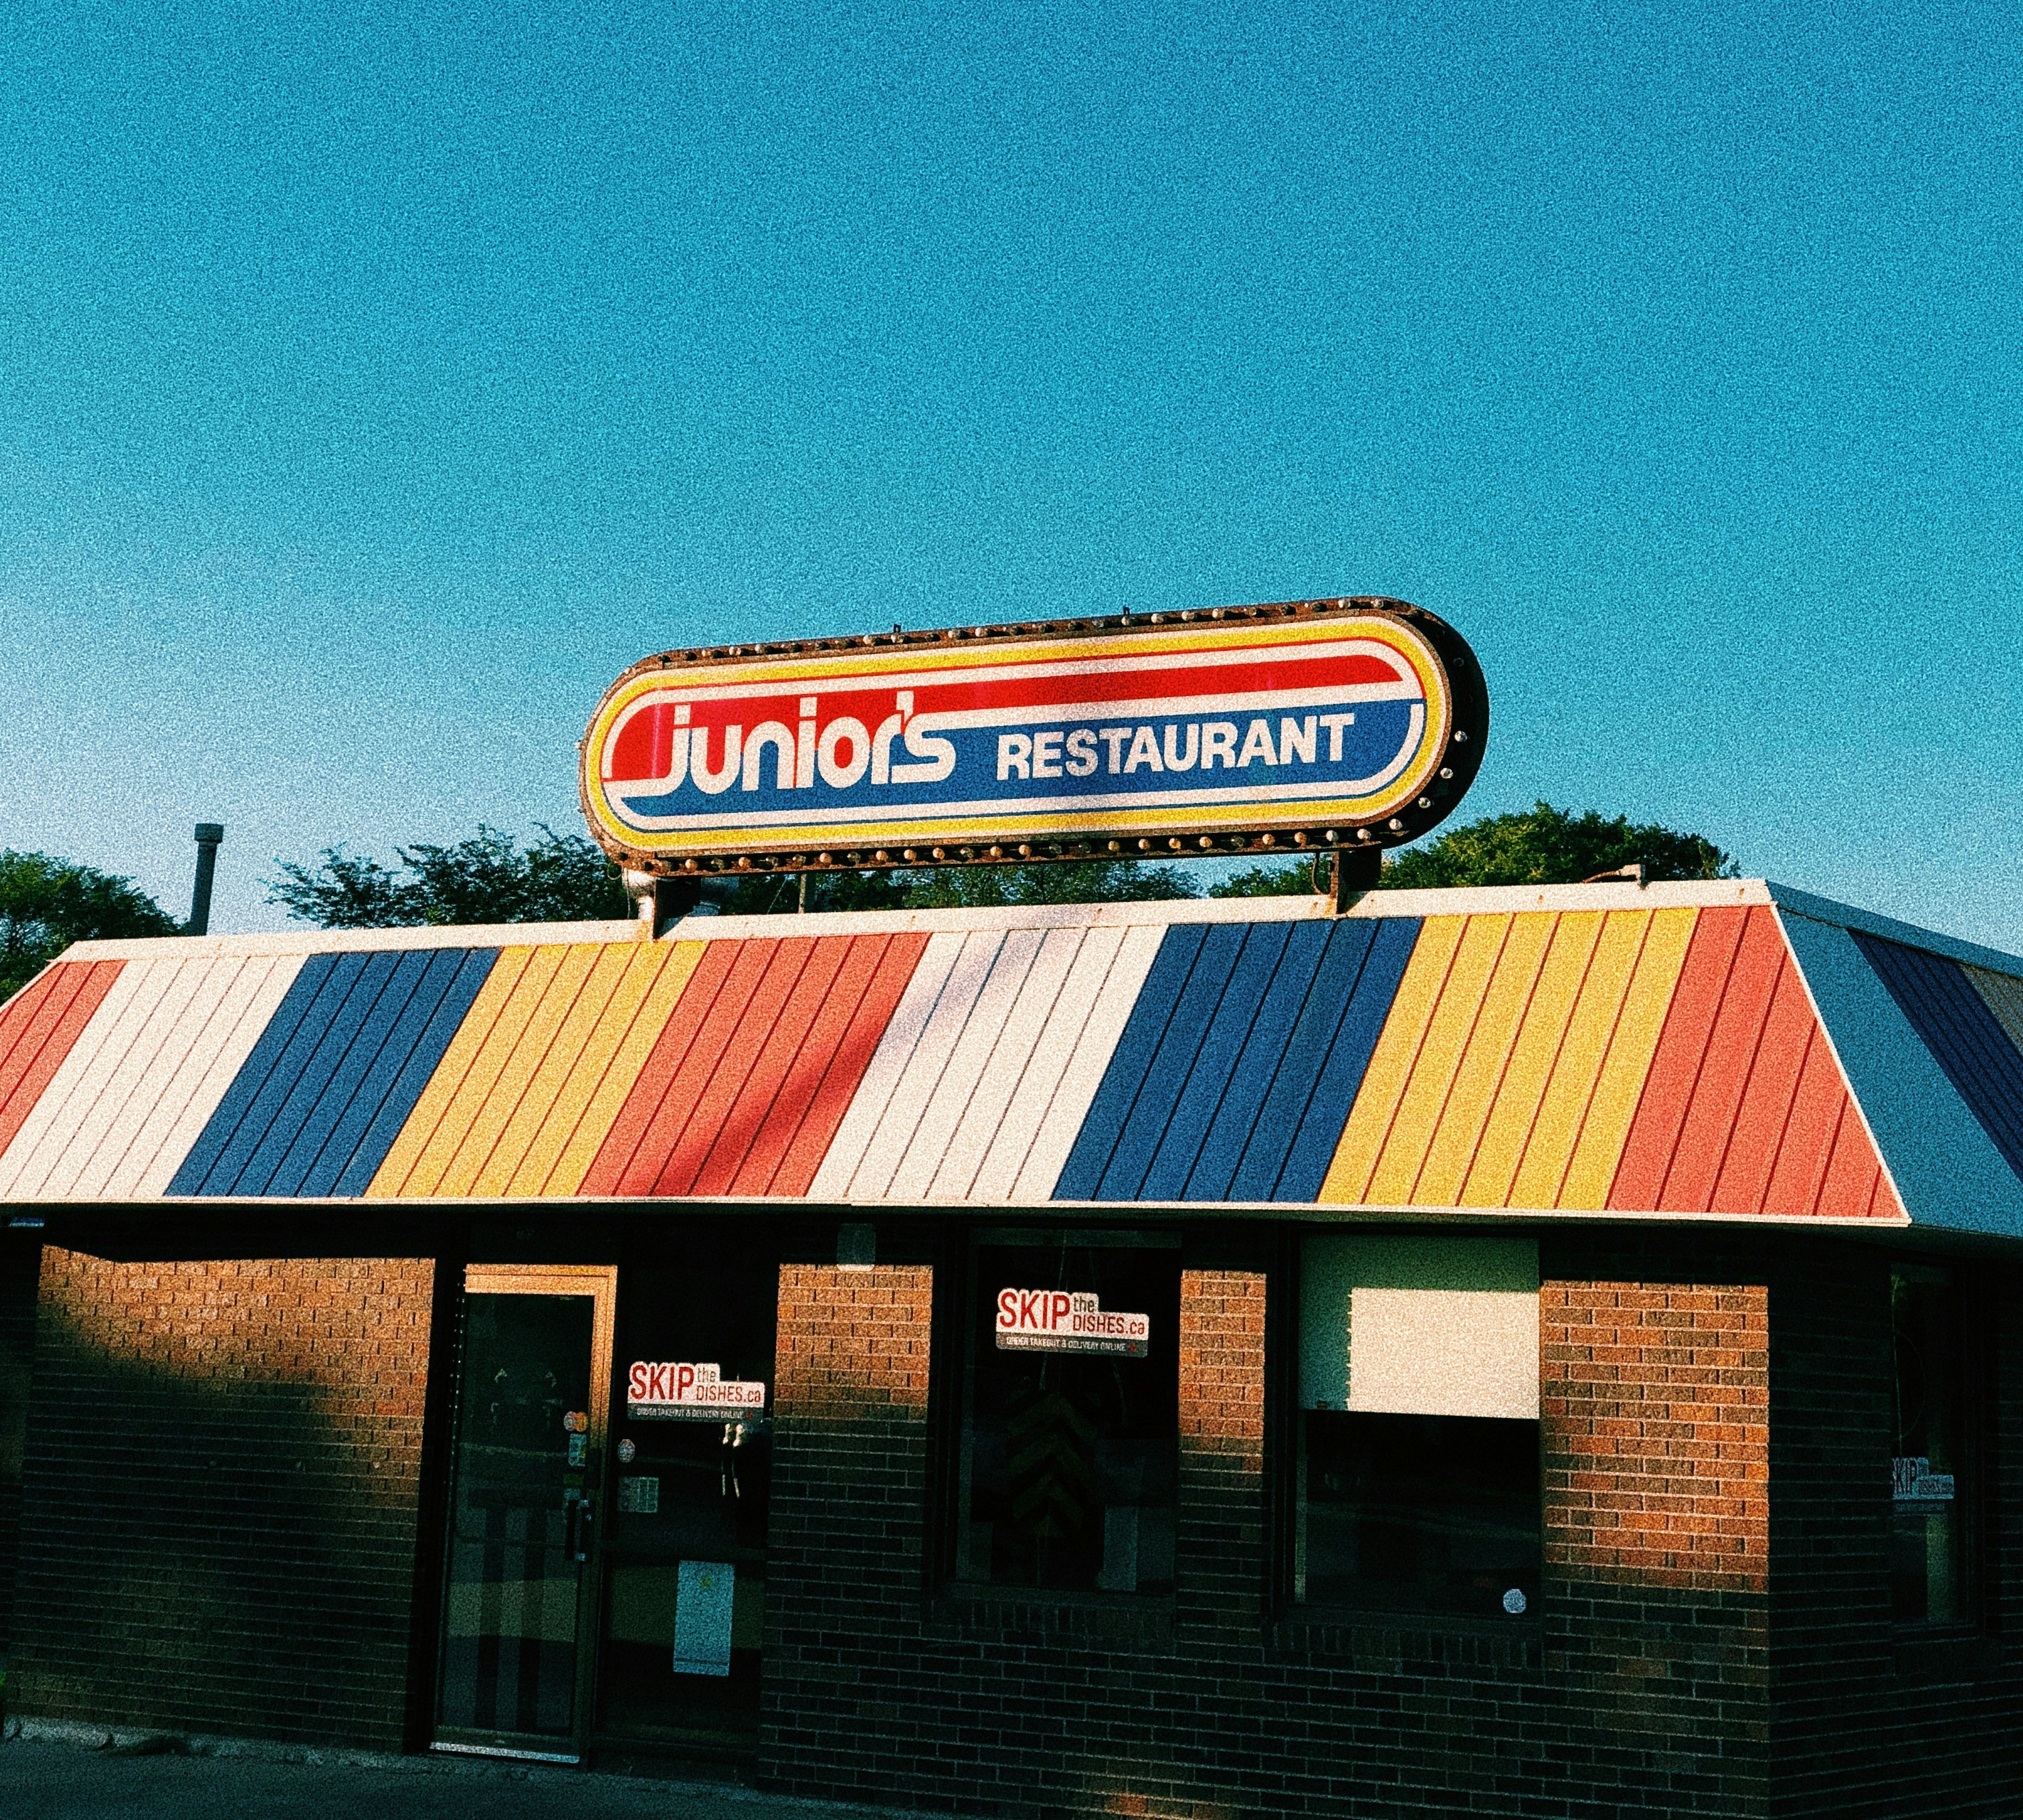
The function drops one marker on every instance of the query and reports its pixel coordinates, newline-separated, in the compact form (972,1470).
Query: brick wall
(219,1509)
(1870,1723)
(1640,1688)
(20,1266)
(1654,1407)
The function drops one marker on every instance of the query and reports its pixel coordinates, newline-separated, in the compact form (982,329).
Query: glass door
(684,1559)
(519,1614)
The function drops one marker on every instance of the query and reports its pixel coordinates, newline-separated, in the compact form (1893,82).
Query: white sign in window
(1412,1325)
(1061,1320)
(705,1595)
(672,1392)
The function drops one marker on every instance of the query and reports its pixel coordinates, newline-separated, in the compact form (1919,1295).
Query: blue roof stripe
(326,988)
(1202,1088)
(1366,1003)
(1130,1062)
(331,1133)
(1172,1061)
(1255,1072)
(1962,1033)
(411,1056)
(367,979)
(252,1074)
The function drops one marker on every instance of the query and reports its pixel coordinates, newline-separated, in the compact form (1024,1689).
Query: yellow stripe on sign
(1391,1063)
(1606,1128)
(1425,1095)
(474,1090)
(1508,1128)
(391,1178)
(1458,1134)
(610,1068)
(557,1063)
(474,1154)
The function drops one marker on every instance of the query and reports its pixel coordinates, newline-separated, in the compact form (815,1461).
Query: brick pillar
(221,1495)
(850,1482)
(1655,1400)
(1221,1561)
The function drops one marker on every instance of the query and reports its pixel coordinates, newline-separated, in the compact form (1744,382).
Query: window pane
(1420,1513)
(1928,1468)
(1417,1467)
(1071,1458)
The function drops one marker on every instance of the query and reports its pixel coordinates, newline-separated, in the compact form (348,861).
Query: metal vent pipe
(208,835)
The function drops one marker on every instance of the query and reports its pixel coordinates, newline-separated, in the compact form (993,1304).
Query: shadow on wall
(219,1497)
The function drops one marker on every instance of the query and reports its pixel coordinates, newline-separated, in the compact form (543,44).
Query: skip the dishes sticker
(672,1392)
(1060,1320)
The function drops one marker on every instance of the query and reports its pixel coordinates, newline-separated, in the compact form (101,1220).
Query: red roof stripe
(1765,1113)
(1675,1069)
(38,1028)
(746,1068)
(838,1071)
(642,1104)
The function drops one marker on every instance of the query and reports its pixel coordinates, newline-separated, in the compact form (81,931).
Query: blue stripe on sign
(426,1030)
(252,1073)
(1257,1069)
(1963,1034)
(1365,1005)
(1129,1062)
(315,1153)
(1201,1089)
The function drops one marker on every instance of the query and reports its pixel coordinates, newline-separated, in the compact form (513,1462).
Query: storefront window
(1068,1463)
(1930,1469)
(1416,1437)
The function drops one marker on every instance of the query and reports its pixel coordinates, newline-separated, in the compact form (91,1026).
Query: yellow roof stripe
(391,1176)
(1384,1081)
(1605,1128)
(588,1105)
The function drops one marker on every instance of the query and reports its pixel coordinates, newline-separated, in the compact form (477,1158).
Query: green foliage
(1294,880)
(47,903)
(560,878)
(1062,881)
(1543,845)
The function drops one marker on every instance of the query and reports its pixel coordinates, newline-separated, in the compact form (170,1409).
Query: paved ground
(43,1780)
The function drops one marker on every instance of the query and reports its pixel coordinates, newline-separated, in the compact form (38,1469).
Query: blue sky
(375,384)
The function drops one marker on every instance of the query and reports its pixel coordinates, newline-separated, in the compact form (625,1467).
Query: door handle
(581,1520)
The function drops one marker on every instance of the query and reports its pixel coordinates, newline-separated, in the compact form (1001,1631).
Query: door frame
(600,1283)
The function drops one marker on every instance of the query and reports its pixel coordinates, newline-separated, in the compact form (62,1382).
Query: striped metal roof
(1725,1049)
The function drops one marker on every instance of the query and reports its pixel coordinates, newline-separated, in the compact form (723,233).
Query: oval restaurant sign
(1312,724)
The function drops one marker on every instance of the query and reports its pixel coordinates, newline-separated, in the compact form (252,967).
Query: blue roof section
(1235,1074)
(1947,1170)
(1962,1032)
(332,1078)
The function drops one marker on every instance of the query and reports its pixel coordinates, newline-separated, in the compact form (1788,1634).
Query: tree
(47,903)
(1543,845)
(1540,845)
(560,878)
(1060,881)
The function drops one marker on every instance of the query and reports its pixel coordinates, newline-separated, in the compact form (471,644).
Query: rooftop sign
(1313,725)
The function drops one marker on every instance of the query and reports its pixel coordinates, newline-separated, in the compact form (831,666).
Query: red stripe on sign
(641,750)
(790,1146)
(39,1027)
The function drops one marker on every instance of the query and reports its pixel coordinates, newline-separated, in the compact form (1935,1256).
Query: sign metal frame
(1457,701)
